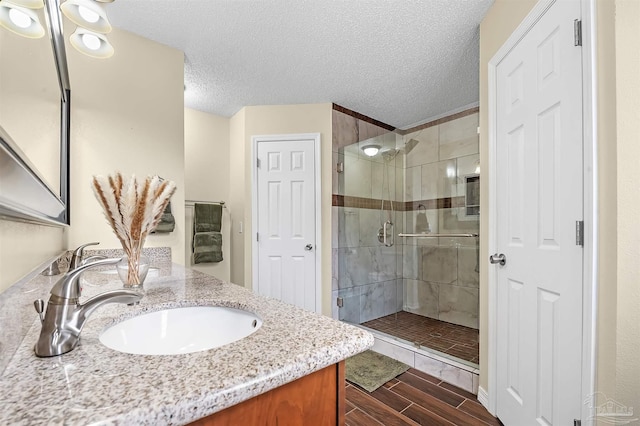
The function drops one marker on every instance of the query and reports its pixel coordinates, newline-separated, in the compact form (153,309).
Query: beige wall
(206,156)
(627,24)
(127,116)
(23,247)
(282,119)
(607,203)
(501,20)
(206,178)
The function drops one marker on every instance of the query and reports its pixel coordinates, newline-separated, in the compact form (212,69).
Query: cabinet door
(316,399)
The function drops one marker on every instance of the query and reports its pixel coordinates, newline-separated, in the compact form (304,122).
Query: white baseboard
(483,398)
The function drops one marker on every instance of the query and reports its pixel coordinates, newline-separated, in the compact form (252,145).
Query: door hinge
(340,302)
(577,422)
(257,237)
(577,32)
(579,233)
(257,162)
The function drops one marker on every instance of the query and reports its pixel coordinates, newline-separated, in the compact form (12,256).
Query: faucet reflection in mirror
(18,16)
(133,207)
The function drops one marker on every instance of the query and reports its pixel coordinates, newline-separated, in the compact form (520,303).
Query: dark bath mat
(370,370)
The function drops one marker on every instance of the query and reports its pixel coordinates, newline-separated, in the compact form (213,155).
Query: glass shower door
(366,254)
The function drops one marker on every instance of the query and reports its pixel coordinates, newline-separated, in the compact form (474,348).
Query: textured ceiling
(402,62)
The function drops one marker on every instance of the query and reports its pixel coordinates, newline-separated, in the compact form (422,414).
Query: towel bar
(205,202)
(437,235)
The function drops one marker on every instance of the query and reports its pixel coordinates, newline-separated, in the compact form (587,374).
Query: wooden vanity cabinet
(316,399)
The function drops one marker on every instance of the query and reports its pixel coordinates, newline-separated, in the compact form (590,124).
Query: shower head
(410,144)
(389,154)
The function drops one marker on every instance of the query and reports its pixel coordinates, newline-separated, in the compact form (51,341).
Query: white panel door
(539,199)
(286,221)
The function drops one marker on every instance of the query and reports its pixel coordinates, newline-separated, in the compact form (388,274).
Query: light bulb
(371,151)
(91,44)
(19,18)
(88,14)
(91,41)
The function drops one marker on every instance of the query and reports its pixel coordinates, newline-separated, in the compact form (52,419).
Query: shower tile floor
(455,340)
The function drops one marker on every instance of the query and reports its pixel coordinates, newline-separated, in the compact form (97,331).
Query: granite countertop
(96,385)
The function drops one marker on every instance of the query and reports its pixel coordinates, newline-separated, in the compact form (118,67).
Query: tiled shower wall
(434,277)
(440,275)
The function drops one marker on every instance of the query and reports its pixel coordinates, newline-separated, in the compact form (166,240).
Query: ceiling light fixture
(371,149)
(93,23)
(87,14)
(17,17)
(91,44)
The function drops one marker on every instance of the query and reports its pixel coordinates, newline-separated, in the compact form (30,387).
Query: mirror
(34,124)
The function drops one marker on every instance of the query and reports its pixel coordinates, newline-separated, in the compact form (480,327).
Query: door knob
(498,258)
(308,247)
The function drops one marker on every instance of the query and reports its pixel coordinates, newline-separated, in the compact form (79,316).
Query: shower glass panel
(422,288)
(368,255)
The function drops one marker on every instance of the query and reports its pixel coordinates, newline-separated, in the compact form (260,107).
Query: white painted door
(539,199)
(287,221)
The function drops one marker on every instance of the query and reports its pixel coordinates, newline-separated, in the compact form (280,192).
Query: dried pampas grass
(133,207)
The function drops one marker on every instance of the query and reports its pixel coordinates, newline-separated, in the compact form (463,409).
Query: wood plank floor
(415,398)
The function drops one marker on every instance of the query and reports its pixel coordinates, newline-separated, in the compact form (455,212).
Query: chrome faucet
(65,315)
(77,259)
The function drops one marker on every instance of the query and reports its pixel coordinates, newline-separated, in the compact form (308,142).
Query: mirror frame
(24,195)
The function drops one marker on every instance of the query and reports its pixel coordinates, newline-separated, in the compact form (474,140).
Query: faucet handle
(68,287)
(76,259)
(39,305)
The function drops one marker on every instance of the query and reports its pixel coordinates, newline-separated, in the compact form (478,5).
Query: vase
(133,270)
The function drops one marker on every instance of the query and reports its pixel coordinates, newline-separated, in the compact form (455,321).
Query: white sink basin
(180,330)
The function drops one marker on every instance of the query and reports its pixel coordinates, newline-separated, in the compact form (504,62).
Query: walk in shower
(405,232)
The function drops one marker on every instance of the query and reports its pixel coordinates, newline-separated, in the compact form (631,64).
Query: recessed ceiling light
(371,149)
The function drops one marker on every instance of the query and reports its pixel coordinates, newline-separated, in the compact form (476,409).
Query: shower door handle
(498,258)
(384,234)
